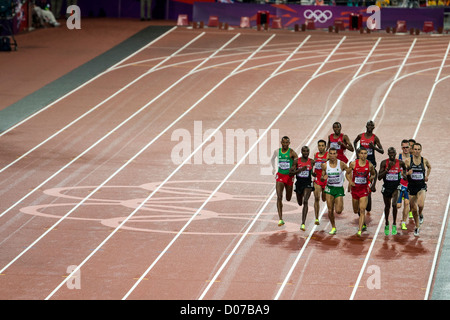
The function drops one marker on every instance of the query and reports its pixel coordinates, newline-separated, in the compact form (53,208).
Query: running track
(93,205)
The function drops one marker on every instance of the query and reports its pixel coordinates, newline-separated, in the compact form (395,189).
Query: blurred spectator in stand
(56,7)
(42,14)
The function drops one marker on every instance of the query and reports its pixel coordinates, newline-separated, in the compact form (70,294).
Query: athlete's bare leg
(280,188)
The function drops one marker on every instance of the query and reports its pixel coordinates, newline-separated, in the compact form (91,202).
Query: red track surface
(210,230)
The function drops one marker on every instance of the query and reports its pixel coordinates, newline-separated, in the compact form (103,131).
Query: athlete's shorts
(388,192)
(300,186)
(285,178)
(359,192)
(413,190)
(373,161)
(321,183)
(335,191)
(403,195)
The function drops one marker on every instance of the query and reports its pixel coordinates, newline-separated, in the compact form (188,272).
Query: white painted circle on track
(173,204)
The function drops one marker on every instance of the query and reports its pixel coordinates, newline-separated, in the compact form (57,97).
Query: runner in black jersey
(304,184)
(391,171)
(419,170)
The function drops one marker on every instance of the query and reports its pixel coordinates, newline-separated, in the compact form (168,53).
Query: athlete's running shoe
(280,223)
(303,227)
(394,229)
(317,222)
(333,231)
(404,226)
(358,233)
(411,215)
(364,227)
(416,232)
(386,230)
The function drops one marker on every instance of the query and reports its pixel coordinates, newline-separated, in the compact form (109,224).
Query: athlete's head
(285,142)
(370,125)
(392,153)
(321,145)
(405,146)
(305,151)
(362,154)
(337,128)
(411,144)
(332,153)
(417,149)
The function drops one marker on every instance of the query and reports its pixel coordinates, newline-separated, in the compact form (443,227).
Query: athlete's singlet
(318,160)
(392,177)
(284,161)
(365,143)
(361,175)
(335,175)
(305,175)
(416,180)
(340,149)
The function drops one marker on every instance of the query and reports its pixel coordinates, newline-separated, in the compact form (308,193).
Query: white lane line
(438,247)
(98,141)
(67,214)
(93,108)
(444,220)
(274,73)
(156,189)
(87,82)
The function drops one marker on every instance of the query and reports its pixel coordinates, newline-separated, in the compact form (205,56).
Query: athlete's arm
(378,147)
(428,165)
(382,171)
(313,163)
(403,166)
(372,173)
(324,172)
(356,141)
(273,161)
(347,143)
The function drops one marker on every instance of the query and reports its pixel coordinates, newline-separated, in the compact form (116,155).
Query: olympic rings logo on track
(173,205)
(318,15)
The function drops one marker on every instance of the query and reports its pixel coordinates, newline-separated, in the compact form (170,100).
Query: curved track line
(155,69)
(142,150)
(235,167)
(382,217)
(87,82)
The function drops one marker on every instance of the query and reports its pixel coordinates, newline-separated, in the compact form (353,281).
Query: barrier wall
(323,16)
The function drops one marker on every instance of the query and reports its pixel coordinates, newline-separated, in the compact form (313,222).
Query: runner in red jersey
(340,142)
(362,172)
(319,185)
(372,143)
(391,171)
(304,183)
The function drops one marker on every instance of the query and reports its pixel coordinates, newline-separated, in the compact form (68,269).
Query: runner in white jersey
(333,171)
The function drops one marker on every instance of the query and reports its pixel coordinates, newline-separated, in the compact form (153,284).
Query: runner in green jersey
(287,164)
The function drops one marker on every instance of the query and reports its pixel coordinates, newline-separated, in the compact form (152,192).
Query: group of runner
(404,178)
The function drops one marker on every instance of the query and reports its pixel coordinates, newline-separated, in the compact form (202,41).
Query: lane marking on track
(104,137)
(142,150)
(248,152)
(381,220)
(94,108)
(87,82)
(62,218)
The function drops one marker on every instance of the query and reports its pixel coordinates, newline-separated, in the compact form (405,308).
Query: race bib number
(284,165)
(303,174)
(360,180)
(369,152)
(318,165)
(333,180)
(335,145)
(417,176)
(392,177)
